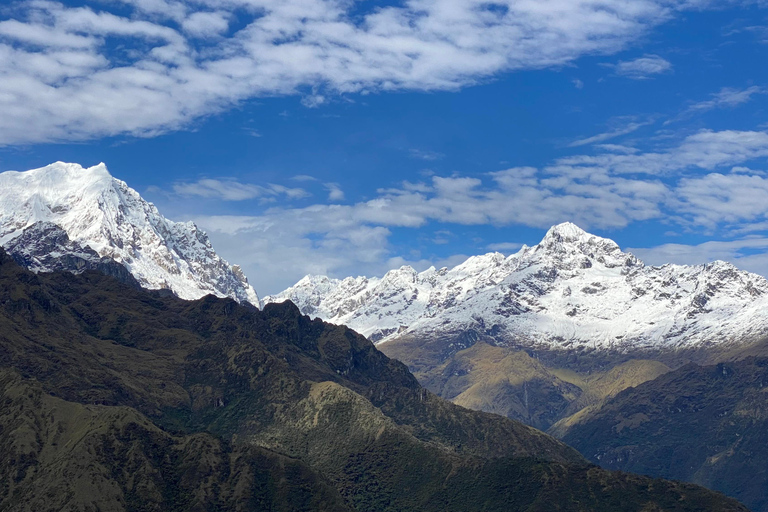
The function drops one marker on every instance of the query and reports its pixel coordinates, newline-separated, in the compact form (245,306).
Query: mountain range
(658,370)
(571,291)
(212,403)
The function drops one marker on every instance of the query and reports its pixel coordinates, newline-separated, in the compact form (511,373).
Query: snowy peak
(566,232)
(66,217)
(573,289)
(567,244)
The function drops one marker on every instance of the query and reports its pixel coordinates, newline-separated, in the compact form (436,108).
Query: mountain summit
(572,290)
(66,217)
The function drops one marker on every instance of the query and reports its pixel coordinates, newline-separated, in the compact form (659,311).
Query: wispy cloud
(429,156)
(252,132)
(643,68)
(142,67)
(703,150)
(727,97)
(303,177)
(233,190)
(624,129)
(760,32)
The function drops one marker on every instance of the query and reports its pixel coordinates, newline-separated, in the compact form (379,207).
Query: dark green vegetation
(703,424)
(114,398)
(64,455)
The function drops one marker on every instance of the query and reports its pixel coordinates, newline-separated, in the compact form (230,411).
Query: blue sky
(343,137)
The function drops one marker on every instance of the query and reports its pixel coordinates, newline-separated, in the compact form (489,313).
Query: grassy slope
(600,387)
(514,384)
(498,380)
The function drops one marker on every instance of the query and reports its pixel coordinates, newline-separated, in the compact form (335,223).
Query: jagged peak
(405,271)
(568,235)
(567,231)
(313,280)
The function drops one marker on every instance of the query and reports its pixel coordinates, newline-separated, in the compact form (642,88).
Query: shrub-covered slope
(60,455)
(703,424)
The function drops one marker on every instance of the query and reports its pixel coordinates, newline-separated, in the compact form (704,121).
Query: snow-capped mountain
(571,290)
(66,217)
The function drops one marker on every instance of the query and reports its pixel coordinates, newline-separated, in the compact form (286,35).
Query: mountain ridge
(195,405)
(573,290)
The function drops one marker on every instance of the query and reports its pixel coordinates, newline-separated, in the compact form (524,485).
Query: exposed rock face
(65,217)
(45,247)
(572,290)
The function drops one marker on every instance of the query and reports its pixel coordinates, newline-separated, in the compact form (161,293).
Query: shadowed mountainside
(123,399)
(64,455)
(703,424)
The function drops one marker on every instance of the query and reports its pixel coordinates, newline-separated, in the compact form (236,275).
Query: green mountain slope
(60,455)
(703,424)
(205,405)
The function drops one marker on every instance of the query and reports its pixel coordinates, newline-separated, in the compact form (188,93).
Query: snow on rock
(572,290)
(66,217)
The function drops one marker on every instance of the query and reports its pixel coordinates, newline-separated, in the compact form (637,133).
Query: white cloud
(505,247)
(232,190)
(278,249)
(74,73)
(205,24)
(723,198)
(747,253)
(314,100)
(429,156)
(334,192)
(691,185)
(643,67)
